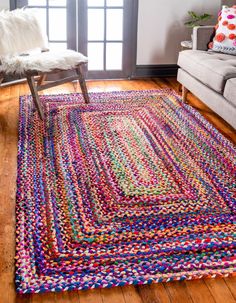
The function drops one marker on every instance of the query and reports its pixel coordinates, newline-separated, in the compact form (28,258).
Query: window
(108,36)
(105,35)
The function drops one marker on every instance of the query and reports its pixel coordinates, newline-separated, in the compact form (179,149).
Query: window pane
(115,2)
(37,2)
(57,2)
(95,24)
(57,24)
(95,2)
(57,46)
(114,24)
(95,56)
(114,56)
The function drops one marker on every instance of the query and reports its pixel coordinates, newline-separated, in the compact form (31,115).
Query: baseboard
(153,71)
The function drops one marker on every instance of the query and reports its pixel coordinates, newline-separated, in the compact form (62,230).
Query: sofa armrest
(202,36)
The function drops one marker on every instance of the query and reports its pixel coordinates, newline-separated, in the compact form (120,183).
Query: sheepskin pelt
(43,62)
(20,31)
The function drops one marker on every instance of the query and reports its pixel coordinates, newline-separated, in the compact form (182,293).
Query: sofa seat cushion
(230,91)
(212,69)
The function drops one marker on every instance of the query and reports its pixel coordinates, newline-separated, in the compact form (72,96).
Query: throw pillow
(225,34)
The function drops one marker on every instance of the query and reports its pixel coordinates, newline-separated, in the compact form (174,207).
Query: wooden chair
(21,33)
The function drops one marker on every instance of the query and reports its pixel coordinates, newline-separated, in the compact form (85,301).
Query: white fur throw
(20,31)
(43,62)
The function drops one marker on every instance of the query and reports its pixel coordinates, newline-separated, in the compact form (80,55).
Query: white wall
(4,4)
(161,27)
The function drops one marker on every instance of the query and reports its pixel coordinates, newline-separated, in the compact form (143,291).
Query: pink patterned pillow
(225,35)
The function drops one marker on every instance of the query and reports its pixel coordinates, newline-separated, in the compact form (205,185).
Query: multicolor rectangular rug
(134,188)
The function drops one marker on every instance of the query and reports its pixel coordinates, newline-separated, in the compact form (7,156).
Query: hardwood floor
(208,290)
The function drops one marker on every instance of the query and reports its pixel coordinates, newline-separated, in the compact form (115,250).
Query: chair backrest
(20,32)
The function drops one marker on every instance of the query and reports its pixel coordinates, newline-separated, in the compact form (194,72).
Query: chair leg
(184,94)
(35,96)
(41,79)
(82,84)
(1,77)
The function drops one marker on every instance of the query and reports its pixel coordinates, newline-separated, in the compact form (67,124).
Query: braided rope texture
(134,188)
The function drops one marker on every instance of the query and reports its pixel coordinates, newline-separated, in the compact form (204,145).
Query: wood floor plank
(4,106)
(161,82)
(231,283)
(178,292)
(220,290)
(90,296)
(8,112)
(74,297)
(154,293)
(199,292)
(47,297)
(131,294)
(61,297)
(173,83)
(147,295)
(23,299)
(112,295)
(7,287)
(56,297)
(161,294)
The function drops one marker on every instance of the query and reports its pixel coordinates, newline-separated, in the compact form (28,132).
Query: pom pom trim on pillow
(225,32)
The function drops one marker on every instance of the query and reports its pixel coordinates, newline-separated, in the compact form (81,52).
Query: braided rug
(134,188)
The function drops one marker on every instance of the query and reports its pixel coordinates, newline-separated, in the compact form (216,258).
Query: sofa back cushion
(225,35)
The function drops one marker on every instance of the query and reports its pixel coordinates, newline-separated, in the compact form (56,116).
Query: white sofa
(208,75)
